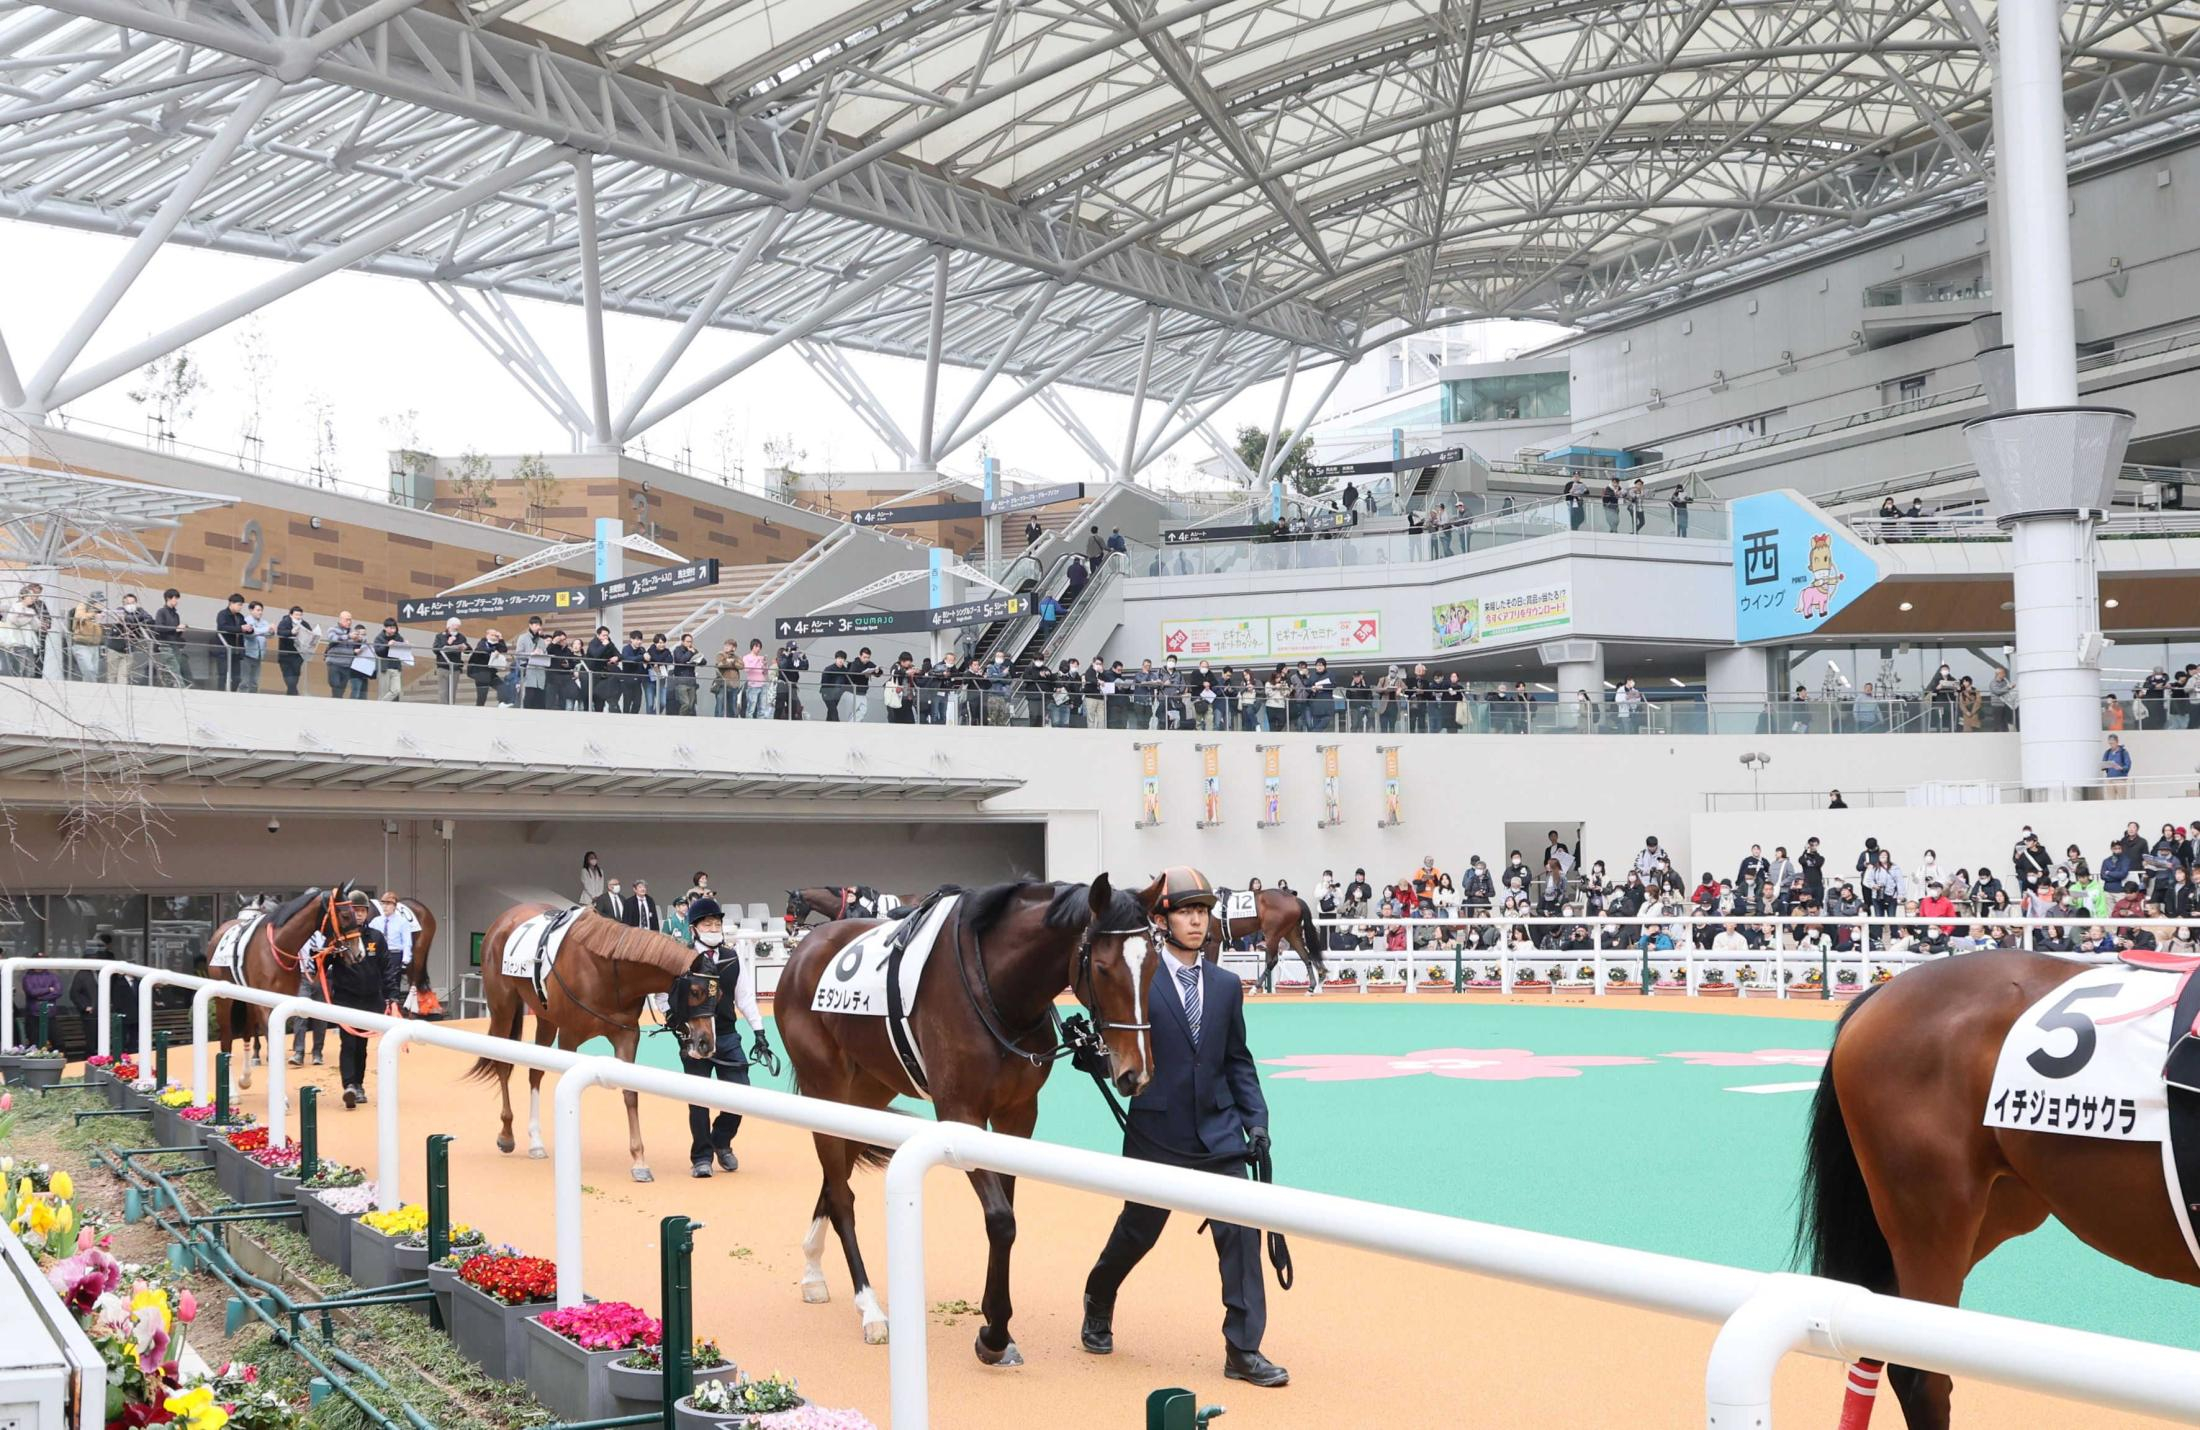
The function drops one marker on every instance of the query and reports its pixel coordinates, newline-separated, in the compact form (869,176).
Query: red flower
(514,1280)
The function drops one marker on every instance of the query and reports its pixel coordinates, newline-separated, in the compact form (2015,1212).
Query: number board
(2086,1060)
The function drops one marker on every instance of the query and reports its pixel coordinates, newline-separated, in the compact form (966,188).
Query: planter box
(571,1383)
(441,1280)
(1669,990)
(1575,990)
(281,1186)
(1760,990)
(1718,990)
(9,1062)
(1843,992)
(259,1183)
(686,1417)
(489,1333)
(1812,991)
(37,1072)
(374,1257)
(639,1391)
(1531,990)
(233,1170)
(328,1229)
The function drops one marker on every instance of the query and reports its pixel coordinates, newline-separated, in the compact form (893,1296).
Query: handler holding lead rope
(1203,1110)
(710,1137)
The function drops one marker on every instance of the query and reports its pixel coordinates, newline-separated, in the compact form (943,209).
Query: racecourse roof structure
(1170,199)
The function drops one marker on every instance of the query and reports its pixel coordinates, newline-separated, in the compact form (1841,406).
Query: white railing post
(202,1057)
(278,1070)
(910,1389)
(386,1163)
(1786,1313)
(565,1163)
(146,981)
(7,997)
(105,1036)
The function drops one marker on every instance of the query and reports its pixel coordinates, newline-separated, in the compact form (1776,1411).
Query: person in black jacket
(709,1136)
(561,687)
(787,699)
(130,644)
(615,904)
(633,673)
(686,657)
(168,636)
(832,685)
(373,983)
(490,659)
(229,629)
(601,690)
(451,649)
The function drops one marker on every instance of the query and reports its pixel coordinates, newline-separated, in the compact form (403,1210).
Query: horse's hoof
(505,1144)
(816,1292)
(1008,1356)
(874,1333)
(538,1152)
(643,1174)
(244,1077)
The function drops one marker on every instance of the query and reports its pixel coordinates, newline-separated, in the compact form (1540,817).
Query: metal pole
(677,1258)
(2032,158)
(309,1132)
(599,376)
(160,1057)
(928,414)
(1132,426)
(386,1053)
(439,1196)
(221,1089)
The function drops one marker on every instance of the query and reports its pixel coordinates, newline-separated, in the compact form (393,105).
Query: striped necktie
(1188,980)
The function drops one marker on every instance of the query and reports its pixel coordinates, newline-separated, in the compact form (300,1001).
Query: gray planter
(568,1381)
(233,1170)
(641,1391)
(165,1123)
(282,1186)
(440,1280)
(328,1229)
(373,1257)
(489,1333)
(259,1183)
(9,1062)
(37,1072)
(686,1417)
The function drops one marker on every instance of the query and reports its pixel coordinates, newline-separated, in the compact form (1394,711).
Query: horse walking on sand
(1282,920)
(604,974)
(1906,1187)
(268,953)
(984,1033)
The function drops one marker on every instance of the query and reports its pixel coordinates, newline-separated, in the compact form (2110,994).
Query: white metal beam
(1001,409)
(934,349)
(601,437)
(736,268)
(1138,395)
(1052,402)
(836,372)
(507,340)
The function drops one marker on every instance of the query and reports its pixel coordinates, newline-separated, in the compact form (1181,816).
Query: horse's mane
(625,944)
(290,908)
(1069,906)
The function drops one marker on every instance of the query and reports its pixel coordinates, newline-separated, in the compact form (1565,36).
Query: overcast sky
(379,363)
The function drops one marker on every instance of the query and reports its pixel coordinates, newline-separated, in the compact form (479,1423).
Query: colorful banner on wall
(1502,616)
(1149,786)
(1210,785)
(1232,638)
(1393,805)
(1791,569)
(1271,785)
(1332,802)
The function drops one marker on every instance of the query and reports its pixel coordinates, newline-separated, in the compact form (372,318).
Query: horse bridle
(1075,1035)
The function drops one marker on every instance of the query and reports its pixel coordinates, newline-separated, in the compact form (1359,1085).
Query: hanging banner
(1271,785)
(1346,633)
(1149,786)
(1332,803)
(1393,807)
(1502,616)
(1223,638)
(1793,567)
(1210,785)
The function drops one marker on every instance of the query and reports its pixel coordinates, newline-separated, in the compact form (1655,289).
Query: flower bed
(638,1379)
(412,1252)
(38,1067)
(379,1245)
(491,1301)
(329,1211)
(717,1404)
(570,1352)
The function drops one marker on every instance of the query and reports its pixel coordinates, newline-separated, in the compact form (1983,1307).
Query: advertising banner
(1210,785)
(1457,623)
(1271,786)
(1332,802)
(1393,804)
(1341,633)
(1792,570)
(1217,638)
(1492,617)
(1149,786)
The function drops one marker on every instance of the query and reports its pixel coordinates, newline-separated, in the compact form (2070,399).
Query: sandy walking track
(1370,1341)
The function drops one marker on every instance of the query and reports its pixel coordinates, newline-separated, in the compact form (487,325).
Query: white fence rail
(1763,1316)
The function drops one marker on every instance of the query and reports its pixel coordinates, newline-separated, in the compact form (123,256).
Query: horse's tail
(1837,1235)
(486,1068)
(1316,943)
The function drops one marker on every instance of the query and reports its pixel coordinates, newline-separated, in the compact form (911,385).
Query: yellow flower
(62,1186)
(157,1299)
(197,1408)
(41,1217)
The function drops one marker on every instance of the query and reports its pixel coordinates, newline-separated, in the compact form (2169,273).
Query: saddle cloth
(2086,1060)
(876,974)
(532,949)
(1240,904)
(228,953)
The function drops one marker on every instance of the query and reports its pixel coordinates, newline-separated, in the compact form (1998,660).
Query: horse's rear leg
(814,1289)
(1932,1207)
(546,1033)
(837,1202)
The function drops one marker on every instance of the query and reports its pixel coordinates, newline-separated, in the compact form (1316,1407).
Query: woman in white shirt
(1928,873)
(1729,940)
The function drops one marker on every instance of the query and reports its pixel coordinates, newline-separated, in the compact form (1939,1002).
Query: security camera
(274,825)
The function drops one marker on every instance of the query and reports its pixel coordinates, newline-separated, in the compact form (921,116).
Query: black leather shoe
(1254,1369)
(701,1167)
(727,1160)
(1098,1333)
(351,1097)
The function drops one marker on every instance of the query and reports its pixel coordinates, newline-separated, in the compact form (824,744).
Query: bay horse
(1905,1188)
(830,904)
(603,977)
(1282,920)
(270,958)
(984,1029)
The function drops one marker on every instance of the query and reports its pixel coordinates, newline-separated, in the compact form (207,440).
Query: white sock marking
(813,1250)
(868,1308)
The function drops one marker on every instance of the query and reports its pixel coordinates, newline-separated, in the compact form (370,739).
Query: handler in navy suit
(1203,1110)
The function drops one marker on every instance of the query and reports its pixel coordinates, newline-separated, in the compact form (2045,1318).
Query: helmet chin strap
(1168,936)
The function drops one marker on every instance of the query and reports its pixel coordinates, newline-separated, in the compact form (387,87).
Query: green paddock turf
(1660,1155)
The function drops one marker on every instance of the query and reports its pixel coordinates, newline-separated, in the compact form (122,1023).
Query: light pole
(1756,760)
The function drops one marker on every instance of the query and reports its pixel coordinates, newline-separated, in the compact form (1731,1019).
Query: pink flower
(1761,1058)
(7,1102)
(606,1326)
(1473,1064)
(187,1306)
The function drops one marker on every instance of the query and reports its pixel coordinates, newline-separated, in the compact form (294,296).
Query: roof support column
(11,386)
(601,438)
(1163,442)
(752,247)
(1138,395)
(1038,304)
(42,393)
(836,372)
(1075,355)
(1269,457)
(927,458)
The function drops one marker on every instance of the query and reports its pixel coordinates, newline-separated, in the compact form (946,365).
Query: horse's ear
(344,891)
(1150,896)
(1099,896)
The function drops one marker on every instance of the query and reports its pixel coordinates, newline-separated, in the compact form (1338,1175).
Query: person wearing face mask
(128,641)
(712,1137)
(614,905)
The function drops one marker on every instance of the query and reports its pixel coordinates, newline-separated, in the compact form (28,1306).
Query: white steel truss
(1170,199)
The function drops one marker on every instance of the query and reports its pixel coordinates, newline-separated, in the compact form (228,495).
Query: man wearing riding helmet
(708,1136)
(1202,1109)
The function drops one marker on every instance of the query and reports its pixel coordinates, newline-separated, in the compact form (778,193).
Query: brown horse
(830,904)
(1282,920)
(1906,1189)
(604,974)
(983,1026)
(269,960)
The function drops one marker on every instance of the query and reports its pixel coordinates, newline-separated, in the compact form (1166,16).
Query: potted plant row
(570,1355)
(1715,985)
(331,1199)
(239,1175)
(492,1294)
(168,1125)
(38,1067)
(390,1246)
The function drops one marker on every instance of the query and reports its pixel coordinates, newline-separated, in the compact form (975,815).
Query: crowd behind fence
(1763,1317)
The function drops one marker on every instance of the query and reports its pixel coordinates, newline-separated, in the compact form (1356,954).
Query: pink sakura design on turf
(1473,1064)
(1761,1058)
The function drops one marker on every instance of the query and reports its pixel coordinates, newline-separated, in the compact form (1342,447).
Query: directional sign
(1398,464)
(666,581)
(1036,497)
(1186,535)
(490,605)
(910,515)
(871,623)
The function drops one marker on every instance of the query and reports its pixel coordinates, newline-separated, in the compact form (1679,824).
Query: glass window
(177,929)
(22,926)
(78,923)
(1508,397)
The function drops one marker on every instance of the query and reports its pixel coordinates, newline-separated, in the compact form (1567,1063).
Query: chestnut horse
(269,960)
(1905,1188)
(984,1027)
(829,904)
(604,975)
(1282,920)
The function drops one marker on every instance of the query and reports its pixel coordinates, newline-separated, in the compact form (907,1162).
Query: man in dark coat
(618,906)
(1203,1109)
(373,983)
(712,1136)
